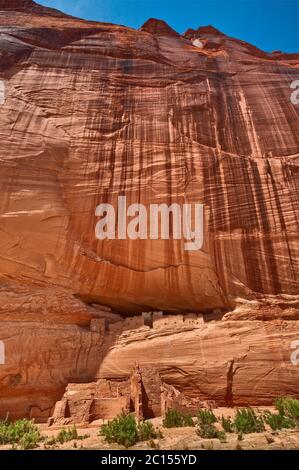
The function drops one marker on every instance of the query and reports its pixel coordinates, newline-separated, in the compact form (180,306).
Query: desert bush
(22,432)
(50,441)
(289,407)
(247,421)
(278,421)
(287,416)
(227,424)
(146,431)
(4,435)
(207,431)
(206,417)
(66,435)
(30,440)
(176,419)
(122,429)
(221,436)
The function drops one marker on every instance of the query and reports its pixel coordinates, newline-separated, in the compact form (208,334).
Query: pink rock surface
(93,111)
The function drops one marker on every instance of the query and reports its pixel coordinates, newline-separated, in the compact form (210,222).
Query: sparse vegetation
(227,424)
(124,430)
(206,426)
(50,441)
(23,433)
(66,435)
(30,440)
(221,436)
(207,431)
(247,421)
(146,431)
(278,421)
(176,419)
(288,407)
(206,417)
(287,416)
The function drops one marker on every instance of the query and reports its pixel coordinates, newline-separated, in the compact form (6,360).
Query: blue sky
(268,24)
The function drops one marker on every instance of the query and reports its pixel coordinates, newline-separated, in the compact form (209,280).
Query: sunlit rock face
(91,111)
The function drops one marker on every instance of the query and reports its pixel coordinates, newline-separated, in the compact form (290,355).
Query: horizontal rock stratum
(92,111)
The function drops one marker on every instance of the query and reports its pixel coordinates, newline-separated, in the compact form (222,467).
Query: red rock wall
(95,110)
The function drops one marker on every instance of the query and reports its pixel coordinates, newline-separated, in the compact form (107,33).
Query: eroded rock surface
(93,111)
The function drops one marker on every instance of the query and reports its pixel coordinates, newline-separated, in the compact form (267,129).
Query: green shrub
(22,432)
(50,441)
(227,424)
(122,430)
(146,431)
(66,435)
(176,419)
(221,436)
(206,417)
(30,440)
(278,421)
(4,437)
(289,407)
(207,431)
(246,421)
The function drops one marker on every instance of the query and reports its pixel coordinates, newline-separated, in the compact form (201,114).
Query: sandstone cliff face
(93,111)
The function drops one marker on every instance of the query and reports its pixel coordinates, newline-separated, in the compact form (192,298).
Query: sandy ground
(187,439)
(177,439)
